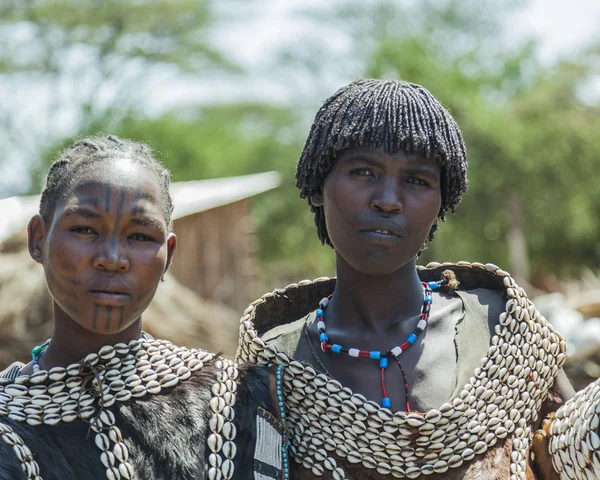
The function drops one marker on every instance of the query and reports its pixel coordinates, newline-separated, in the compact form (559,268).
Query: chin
(100,324)
(381,266)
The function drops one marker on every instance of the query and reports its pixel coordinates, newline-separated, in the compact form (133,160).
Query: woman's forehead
(106,179)
(109,191)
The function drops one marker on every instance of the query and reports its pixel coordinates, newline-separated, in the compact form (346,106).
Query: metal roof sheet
(188,198)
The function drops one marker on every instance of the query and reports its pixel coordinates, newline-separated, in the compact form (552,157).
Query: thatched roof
(176,313)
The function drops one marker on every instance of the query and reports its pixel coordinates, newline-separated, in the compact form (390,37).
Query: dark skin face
(379,208)
(104,253)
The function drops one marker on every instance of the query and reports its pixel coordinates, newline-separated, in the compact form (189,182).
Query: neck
(374,302)
(70,342)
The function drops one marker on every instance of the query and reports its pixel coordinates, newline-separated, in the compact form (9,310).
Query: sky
(559,30)
(561,26)
(262,26)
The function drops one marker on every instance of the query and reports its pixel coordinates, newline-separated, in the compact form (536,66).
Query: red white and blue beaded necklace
(393,353)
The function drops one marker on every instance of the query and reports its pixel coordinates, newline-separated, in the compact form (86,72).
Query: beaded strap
(115,454)
(285,443)
(221,440)
(28,464)
(503,398)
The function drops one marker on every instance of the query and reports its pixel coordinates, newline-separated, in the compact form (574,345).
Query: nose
(112,257)
(387,197)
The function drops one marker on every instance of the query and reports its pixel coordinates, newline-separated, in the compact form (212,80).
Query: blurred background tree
(530,128)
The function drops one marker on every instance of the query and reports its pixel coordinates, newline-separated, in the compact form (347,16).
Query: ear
(36,233)
(171,246)
(316,200)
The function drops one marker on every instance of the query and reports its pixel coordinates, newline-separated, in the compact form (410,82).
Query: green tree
(532,140)
(238,139)
(78,62)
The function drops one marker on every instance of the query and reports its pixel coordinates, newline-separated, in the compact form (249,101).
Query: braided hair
(94,150)
(395,115)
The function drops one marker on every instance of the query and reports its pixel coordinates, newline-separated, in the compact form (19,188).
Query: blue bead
(428,298)
(336,348)
(386,403)
(412,338)
(375,355)
(323,337)
(319,313)
(383,363)
(433,285)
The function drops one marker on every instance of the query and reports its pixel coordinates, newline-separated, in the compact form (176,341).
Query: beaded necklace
(332,429)
(382,357)
(36,354)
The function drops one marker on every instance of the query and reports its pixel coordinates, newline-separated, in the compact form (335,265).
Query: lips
(114,297)
(382,231)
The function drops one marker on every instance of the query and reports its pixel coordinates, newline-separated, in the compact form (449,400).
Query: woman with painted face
(393,370)
(101,398)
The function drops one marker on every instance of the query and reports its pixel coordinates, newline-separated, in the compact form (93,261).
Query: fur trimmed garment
(166,434)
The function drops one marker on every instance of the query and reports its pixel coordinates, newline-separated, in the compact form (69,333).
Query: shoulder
(285,338)
(483,301)
(12,371)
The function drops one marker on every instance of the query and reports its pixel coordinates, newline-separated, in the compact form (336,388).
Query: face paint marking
(107,204)
(92,200)
(113,240)
(108,317)
(95,318)
(121,316)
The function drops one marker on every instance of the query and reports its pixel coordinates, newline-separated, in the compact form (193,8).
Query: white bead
(321,325)
(323,303)
(353,352)
(396,351)
(422,324)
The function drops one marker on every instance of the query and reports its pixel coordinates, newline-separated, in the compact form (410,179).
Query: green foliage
(229,140)
(531,139)
(167,31)
(92,59)
(529,135)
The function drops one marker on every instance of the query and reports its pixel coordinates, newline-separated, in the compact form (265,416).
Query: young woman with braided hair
(393,370)
(102,399)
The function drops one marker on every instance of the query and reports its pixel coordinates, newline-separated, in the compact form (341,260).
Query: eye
(417,181)
(83,230)
(140,237)
(362,172)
